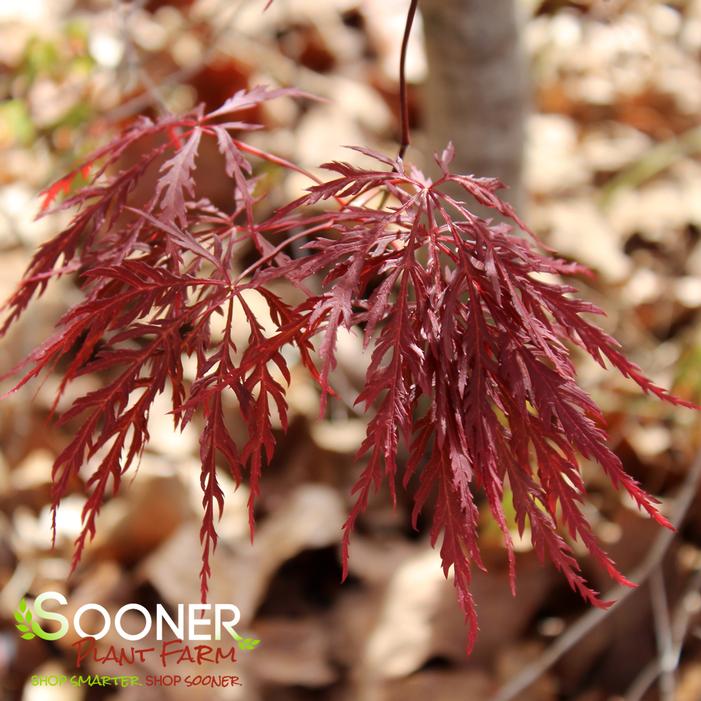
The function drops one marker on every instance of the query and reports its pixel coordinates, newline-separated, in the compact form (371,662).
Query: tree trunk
(476,92)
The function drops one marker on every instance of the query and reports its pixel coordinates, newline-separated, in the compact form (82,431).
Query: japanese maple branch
(619,594)
(405,138)
(403,98)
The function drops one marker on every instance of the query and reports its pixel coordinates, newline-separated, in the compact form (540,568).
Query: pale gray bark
(476,91)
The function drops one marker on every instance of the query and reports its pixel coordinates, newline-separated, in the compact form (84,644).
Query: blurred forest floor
(614,179)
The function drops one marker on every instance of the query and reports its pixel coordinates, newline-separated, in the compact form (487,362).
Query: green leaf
(23,616)
(248,643)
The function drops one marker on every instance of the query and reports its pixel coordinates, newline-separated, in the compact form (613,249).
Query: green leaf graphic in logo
(245,643)
(23,616)
(26,624)
(248,643)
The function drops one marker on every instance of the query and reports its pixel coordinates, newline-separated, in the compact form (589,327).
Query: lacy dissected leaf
(470,362)
(155,270)
(470,368)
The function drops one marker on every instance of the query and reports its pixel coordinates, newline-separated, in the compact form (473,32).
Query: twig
(663,634)
(405,140)
(131,59)
(680,628)
(643,681)
(403,97)
(154,94)
(618,594)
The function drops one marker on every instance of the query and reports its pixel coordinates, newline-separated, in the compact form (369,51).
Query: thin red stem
(403,99)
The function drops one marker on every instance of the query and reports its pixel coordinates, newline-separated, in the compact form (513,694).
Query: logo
(197,622)
(24,618)
(201,623)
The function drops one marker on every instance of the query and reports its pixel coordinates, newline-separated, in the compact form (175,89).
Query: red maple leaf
(470,348)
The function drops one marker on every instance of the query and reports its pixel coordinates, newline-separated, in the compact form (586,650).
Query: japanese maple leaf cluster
(470,364)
